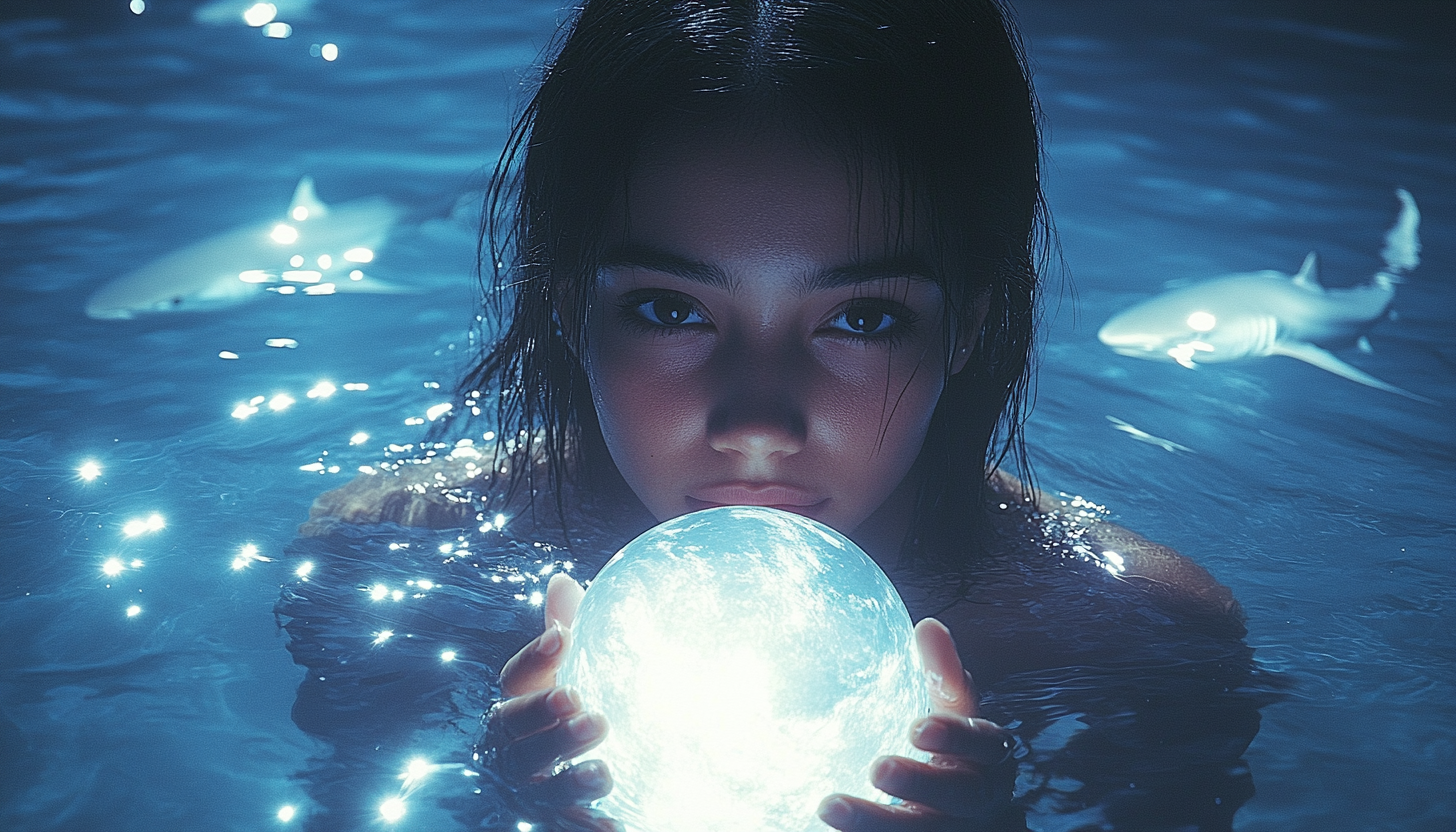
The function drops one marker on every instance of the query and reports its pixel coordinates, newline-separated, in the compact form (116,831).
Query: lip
(768,495)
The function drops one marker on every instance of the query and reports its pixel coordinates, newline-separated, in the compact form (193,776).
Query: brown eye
(865,319)
(670,311)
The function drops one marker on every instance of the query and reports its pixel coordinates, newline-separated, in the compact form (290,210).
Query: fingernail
(890,777)
(563,702)
(936,683)
(592,776)
(835,812)
(583,727)
(550,641)
(930,735)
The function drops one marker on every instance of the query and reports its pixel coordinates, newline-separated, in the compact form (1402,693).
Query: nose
(758,415)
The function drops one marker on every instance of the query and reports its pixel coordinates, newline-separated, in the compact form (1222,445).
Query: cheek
(644,400)
(879,405)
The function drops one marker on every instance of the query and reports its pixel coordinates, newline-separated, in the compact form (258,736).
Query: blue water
(1186,141)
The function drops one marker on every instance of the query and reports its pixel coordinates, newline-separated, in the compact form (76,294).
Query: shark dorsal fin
(1308,275)
(306,202)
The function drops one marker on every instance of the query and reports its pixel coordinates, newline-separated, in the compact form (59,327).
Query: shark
(1255,314)
(315,249)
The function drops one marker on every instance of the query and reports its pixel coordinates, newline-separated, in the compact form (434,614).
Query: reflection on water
(145,684)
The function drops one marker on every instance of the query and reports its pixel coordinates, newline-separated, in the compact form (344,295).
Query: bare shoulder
(435,490)
(1125,553)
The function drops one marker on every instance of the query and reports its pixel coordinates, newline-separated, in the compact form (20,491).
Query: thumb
(951,689)
(563,596)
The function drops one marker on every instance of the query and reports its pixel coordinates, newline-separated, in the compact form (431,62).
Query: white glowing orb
(749,662)
(89,470)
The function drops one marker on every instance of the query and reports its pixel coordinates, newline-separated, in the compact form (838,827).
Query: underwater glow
(285,344)
(304,569)
(284,234)
(322,390)
(113,567)
(325,262)
(259,14)
(296,261)
(138,6)
(227,355)
(244,410)
(277,30)
(1202,321)
(392,809)
(436,411)
(282,401)
(359,438)
(89,470)
(356,385)
(383,636)
(776,625)
(133,611)
(447,655)
(286,813)
(329,52)
(359,255)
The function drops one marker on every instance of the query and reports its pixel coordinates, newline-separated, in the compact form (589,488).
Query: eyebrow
(659,260)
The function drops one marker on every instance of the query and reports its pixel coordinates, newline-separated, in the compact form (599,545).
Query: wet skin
(754,339)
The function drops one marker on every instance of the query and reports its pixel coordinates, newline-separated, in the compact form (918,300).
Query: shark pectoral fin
(305,198)
(1307,276)
(1325,360)
(1402,250)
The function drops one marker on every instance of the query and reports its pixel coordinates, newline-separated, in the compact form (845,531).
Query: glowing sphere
(749,662)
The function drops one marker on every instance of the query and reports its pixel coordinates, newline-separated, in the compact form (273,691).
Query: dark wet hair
(931,94)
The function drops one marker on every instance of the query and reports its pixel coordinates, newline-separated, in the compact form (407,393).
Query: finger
(534,756)
(563,596)
(534,667)
(578,785)
(958,791)
(851,814)
(951,690)
(582,819)
(522,716)
(973,739)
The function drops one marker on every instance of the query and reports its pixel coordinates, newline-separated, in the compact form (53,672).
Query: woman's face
(756,340)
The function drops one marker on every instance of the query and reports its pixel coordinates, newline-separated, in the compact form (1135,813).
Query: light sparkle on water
(89,470)
(153,523)
(286,813)
(392,809)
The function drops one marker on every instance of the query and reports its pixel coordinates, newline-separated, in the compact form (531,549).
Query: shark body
(1255,314)
(328,244)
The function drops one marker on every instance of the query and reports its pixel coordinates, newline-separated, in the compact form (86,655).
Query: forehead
(726,193)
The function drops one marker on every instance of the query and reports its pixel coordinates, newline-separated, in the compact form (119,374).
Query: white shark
(1249,315)
(315,249)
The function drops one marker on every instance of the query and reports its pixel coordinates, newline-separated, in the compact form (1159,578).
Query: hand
(537,725)
(966,785)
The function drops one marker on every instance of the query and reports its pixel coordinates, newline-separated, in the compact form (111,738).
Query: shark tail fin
(306,204)
(1402,250)
(1325,360)
(1308,275)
